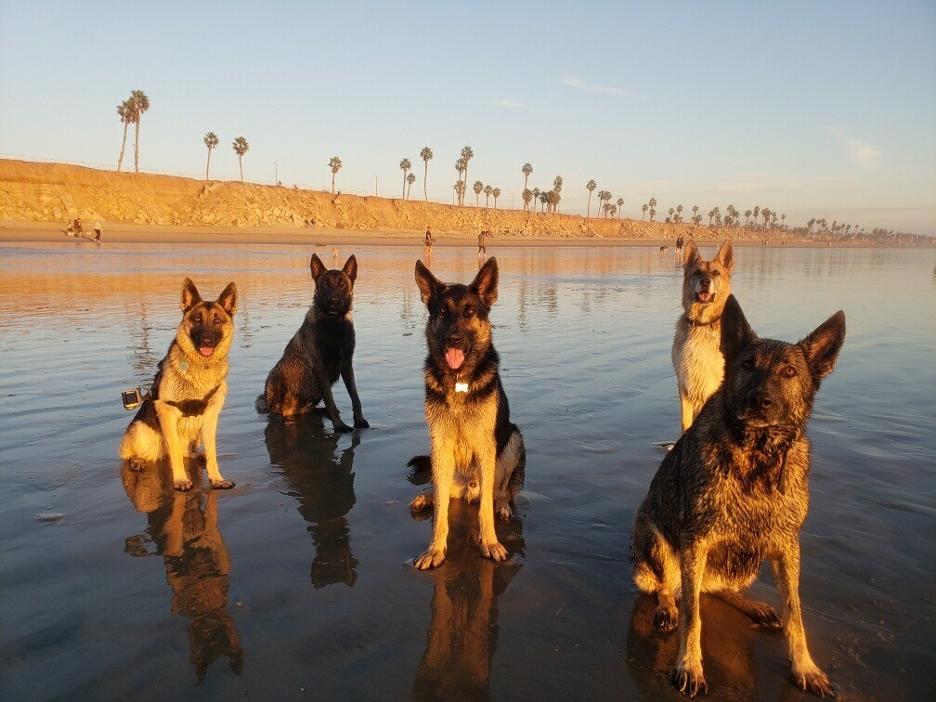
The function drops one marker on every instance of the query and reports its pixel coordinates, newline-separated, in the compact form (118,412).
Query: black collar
(700,324)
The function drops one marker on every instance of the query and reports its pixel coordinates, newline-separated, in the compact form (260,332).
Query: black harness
(193,408)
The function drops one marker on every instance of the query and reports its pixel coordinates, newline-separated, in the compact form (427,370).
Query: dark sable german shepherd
(319,352)
(477,453)
(182,408)
(734,491)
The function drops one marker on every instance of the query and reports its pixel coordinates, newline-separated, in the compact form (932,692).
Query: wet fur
(320,352)
(696,355)
(182,408)
(734,491)
(477,452)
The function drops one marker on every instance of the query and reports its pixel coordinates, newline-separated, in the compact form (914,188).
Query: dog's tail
(261,404)
(420,469)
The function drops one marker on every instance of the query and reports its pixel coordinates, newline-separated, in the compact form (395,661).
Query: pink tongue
(705,297)
(206,350)
(454,358)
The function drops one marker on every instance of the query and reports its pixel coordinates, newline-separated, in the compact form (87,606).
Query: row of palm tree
(131,111)
(547,199)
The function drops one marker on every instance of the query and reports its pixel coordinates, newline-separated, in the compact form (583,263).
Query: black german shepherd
(319,352)
(477,452)
(734,491)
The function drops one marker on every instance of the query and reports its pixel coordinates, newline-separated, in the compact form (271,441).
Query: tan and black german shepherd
(734,491)
(697,357)
(477,453)
(181,410)
(319,352)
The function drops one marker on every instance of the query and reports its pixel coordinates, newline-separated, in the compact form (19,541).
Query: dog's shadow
(182,527)
(321,478)
(462,635)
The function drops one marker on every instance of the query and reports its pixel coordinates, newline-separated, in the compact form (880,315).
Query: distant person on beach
(97,231)
(482,246)
(79,229)
(679,246)
(427,242)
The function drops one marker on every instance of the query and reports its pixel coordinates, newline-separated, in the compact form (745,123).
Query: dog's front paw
(813,680)
(221,484)
(430,559)
(688,679)
(766,616)
(137,464)
(421,502)
(665,618)
(361,423)
(341,427)
(182,484)
(494,551)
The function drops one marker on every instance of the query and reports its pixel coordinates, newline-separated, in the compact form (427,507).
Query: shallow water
(299,580)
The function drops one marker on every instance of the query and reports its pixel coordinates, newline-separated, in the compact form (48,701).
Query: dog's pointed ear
(485,283)
(726,256)
(350,268)
(228,299)
(429,285)
(691,257)
(190,296)
(317,267)
(822,346)
(736,333)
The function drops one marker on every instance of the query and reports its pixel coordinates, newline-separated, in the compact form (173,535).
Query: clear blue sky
(809,108)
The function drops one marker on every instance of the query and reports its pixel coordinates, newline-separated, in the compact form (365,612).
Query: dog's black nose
(333,300)
(706,283)
(453,341)
(758,399)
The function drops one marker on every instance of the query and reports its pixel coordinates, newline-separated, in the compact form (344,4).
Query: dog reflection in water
(320,478)
(183,529)
(462,634)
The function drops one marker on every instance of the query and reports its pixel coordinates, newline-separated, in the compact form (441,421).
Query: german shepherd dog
(477,453)
(319,352)
(182,407)
(697,358)
(734,491)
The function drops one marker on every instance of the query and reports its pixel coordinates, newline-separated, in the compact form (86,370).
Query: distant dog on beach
(319,352)
(663,250)
(477,452)
(697,357)
(734,491)
(182,407)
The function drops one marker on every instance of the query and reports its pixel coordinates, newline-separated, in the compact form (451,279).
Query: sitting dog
(181,409)
(319,352)
(734,491)
(477,453)
(697,358)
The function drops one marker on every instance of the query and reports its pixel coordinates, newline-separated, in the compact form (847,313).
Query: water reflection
(183,529)
(320,477)
(462,636)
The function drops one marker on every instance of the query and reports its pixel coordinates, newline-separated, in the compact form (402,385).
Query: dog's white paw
(183,484)
(494,551)
(421,502)
(689,680)
(221,484)
(430,559)
(813,680)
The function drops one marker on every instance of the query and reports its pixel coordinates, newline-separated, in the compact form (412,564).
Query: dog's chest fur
(697,359)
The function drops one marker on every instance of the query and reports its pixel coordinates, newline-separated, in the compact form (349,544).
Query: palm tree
(590,187)
(426,156)
(141,104)
(544,199)
(487,194)
(679,209)
(410,179)
(460,188)
(653,204)
(527,171)
(643,208)
(756,214)
(240,147)
(747,217)
(536,197)
(527,195)
(467,153)
(602,196)
(460,168)
(496,193)
(334,163)
(557,189)
(127,112)
(211,141)
(765,213)
(477,187)
(405,165)
(620,205)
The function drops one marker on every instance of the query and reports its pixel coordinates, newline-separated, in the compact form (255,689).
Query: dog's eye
(443,311)
(469,311)
(197,319)
(716,273)
(788,372)
(748,364)
(217,321)
(341,282)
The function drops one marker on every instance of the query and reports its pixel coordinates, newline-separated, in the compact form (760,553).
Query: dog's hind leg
(423,501)
(760,613)
(656,572)
(510,473)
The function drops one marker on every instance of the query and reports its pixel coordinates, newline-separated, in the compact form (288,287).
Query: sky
(813,109)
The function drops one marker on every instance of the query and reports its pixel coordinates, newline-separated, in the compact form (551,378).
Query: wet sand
(299,581)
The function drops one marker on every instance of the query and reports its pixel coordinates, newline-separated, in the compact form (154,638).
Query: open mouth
(705,296)
(454,358)
(206,350)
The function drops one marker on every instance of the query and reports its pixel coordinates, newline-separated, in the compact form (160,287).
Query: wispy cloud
(861,152)
(511,104)
(591,87)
